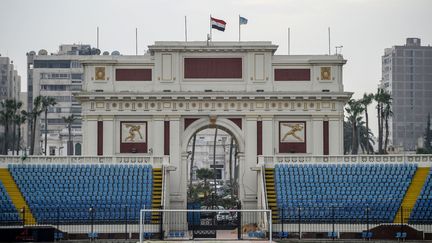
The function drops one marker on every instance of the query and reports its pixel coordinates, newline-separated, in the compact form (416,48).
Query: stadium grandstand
(284,115)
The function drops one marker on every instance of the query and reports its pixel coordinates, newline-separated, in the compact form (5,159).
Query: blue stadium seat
(8,212)
(422,211)
(65,193)
(341,192)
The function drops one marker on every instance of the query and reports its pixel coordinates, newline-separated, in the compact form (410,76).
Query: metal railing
(424,160)
(153,160)
(347,222)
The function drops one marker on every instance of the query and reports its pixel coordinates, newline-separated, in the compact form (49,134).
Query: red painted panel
(166,137)
(292,74)
(237,121)
(133,147)
(100,138)
(326,137)
(213,68)
(188,121)
(133,74)
(293,147)
(259,138)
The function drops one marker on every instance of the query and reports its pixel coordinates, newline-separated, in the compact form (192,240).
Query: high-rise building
(10,81)
(407,76)
(57,75)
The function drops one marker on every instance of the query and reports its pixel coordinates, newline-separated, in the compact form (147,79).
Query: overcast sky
(363,27)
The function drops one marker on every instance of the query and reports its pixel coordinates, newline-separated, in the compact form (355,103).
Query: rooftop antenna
(97,37)
(136,41)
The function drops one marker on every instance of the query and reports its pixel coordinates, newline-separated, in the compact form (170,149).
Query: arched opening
(213,168)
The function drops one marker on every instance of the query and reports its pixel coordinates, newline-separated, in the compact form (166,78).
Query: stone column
(90,142)
(268,135)
(335,136)
(317,136)
(177,177)
(110,141)
(157,135)
(247,177)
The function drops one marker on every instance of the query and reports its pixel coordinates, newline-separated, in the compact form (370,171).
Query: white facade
(59,76)
(272,105)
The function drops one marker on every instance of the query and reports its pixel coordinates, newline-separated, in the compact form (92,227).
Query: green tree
(383,99)
(15,112)
(387,114)
(366,101)
(7,111)
(205,174)
(366,141)
(69,120)
(32,117)
(47,102)
(19,120)
(354,109)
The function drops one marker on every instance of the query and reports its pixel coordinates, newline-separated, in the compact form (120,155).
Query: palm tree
(47,102)
(354,110)
(6,116)
(205,174)
(19,120)
(69,120)
(366,101)
(16,106)
(192,163)
(32,116)
(387,113)
(366,141)
(383,99)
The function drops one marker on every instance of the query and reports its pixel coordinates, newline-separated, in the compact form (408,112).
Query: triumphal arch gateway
(151,105)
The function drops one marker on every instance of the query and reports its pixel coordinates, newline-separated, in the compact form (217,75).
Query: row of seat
(8,212)
(73,189)
(329,186)
(422,211)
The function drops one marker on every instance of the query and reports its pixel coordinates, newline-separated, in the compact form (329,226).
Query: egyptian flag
(217,24)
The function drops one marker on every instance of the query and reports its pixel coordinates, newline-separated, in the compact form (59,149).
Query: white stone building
(57,75)
(271,104)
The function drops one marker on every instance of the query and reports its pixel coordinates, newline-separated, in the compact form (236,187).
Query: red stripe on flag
(218,20)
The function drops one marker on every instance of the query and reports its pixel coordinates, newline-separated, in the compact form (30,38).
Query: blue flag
(243,20)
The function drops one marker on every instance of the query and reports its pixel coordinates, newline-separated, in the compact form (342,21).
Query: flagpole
(211,34)
(239,28)
(185,22)
(289,41)
(136,41)
(329,39)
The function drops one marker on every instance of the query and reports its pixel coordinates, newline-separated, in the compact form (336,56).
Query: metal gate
(189,224)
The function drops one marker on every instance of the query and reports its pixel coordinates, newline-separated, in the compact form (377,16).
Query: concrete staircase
(157,194)
(16,196)
(411,195)
(271,192)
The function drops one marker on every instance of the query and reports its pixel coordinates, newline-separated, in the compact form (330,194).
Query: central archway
(221,123)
